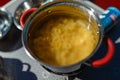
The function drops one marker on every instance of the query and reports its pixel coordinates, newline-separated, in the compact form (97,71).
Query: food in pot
(63,38)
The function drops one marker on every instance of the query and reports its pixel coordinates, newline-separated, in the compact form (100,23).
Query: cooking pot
(24,6)
(74,67)
(5,22)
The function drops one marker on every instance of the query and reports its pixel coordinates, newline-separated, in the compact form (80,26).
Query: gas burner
(74,73)
(3,73)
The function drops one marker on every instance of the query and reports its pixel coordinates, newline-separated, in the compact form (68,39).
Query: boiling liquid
(63,38)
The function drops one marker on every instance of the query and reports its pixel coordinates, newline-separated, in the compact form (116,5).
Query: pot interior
(62,34)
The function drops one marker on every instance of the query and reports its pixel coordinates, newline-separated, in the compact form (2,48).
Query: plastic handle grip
(109,55)
(25,14)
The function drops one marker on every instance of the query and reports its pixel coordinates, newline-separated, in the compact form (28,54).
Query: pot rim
(26,29)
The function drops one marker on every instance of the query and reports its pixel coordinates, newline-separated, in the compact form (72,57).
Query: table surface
(21,67)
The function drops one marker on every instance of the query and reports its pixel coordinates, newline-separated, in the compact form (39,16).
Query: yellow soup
(63,38)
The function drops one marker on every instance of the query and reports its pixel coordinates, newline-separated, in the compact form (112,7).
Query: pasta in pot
(64,39)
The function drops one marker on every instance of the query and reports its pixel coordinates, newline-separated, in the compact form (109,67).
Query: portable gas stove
(20,67)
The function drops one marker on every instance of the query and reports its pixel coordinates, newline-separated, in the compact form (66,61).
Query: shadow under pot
(62,35)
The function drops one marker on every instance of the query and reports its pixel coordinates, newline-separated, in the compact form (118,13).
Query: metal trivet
(70,75)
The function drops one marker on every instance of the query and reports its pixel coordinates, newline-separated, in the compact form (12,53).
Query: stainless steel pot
(25,5)
(5,22)
(74,67)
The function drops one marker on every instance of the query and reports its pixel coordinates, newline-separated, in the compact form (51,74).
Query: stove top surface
(20,67)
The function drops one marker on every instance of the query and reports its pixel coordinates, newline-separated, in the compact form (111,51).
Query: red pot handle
(107,57)
(25,14)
